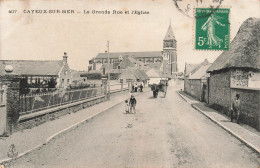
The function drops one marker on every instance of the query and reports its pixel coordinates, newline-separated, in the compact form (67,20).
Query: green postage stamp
(212,29)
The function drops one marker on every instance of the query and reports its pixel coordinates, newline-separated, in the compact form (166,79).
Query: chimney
(65,57)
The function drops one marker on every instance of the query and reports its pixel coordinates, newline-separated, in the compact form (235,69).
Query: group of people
(136,88)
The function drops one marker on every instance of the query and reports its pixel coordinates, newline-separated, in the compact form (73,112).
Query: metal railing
(36,102)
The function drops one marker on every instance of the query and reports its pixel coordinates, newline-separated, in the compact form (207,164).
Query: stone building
(195,80)
(166,58)
(38,74)
(237,71)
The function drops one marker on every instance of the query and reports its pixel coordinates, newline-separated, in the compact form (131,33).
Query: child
(126,106)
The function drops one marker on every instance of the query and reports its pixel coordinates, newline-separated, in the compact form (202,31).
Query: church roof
(146,54)
(169,35)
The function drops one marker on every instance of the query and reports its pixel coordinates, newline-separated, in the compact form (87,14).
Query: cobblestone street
(164,132)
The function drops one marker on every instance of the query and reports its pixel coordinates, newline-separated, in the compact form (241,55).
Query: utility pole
(108,73)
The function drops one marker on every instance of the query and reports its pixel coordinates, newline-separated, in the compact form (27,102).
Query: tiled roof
(105,65)
(192,68)
(29,67)
(126,62)
(169,35)
(154,73)
(131,54)
(189,68)
(200,73)
(244,50)
(134,73)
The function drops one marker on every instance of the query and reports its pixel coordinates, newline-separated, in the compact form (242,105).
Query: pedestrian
(132,103)
(235,108)
(133,88)
(141,88)
(136,87)
(126,107)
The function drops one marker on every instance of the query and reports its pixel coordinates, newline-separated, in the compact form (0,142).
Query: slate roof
(169,35)
(244,50)
(146,54)
(200,73)
(29,67)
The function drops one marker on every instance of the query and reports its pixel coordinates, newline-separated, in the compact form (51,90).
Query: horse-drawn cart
(161,87)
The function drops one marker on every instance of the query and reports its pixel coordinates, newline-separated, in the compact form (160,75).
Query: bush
(92,76)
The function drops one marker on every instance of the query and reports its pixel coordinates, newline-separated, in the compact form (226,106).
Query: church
(165,60)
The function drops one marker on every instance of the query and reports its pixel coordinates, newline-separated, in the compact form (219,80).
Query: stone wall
(219,91)
(221,94)
(250,106)
(193,87)
(52,114)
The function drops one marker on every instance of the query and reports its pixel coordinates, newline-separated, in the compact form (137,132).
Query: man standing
(235,108)
(132,103)
(141,88)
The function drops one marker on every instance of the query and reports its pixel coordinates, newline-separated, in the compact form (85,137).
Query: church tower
(169,53)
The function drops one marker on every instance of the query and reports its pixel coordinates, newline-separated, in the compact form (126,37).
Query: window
(68,80)
(62,80)
(118,67)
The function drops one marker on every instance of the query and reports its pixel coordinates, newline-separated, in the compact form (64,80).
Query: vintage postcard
(129,83)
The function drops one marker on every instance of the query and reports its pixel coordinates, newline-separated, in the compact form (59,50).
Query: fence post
(104,85)
(12,101)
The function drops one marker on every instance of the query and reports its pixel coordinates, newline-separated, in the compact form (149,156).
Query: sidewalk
(247,135)
(30,139)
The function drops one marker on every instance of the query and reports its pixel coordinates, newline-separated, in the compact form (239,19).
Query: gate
(2,109)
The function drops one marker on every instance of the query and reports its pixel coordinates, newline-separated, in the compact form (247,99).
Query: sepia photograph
(130,84)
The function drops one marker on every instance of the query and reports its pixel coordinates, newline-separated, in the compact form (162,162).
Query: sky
(46,36)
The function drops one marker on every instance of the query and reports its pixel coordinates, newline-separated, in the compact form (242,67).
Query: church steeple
(169,52)
(169,35)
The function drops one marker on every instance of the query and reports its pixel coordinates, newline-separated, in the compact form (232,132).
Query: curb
(182,96)
(248,144)
(60,132)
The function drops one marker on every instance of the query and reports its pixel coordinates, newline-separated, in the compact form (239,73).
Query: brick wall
(219,91)
(250,106)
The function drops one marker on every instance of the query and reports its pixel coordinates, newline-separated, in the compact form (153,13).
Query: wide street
(164,132)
